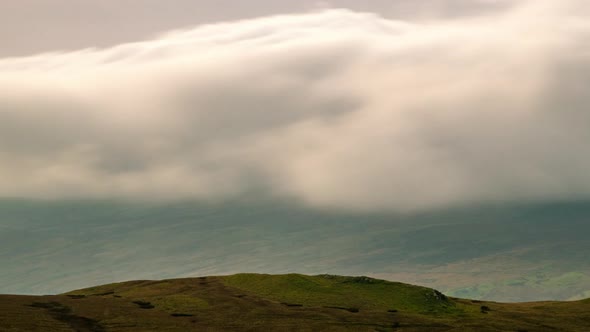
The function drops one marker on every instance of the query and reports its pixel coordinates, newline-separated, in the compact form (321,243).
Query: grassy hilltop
(292,302)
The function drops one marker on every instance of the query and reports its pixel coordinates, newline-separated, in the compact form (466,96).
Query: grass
(327,290)
(291,302)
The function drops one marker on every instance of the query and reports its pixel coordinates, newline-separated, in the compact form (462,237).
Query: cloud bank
(333,108)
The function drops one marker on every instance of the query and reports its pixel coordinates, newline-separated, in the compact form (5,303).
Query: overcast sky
(32,26)
(335,108)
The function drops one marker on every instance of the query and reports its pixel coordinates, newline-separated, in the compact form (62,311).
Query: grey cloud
(335,108)
(33,26)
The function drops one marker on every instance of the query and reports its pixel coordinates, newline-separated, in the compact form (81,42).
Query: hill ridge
(287,302)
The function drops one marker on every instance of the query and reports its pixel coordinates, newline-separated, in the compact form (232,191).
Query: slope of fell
(293,302)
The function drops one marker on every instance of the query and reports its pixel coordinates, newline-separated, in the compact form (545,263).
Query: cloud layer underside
(333,108)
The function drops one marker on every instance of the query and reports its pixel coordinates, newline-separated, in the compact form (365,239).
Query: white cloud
(335,108)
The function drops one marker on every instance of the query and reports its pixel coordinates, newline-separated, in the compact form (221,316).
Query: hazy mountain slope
(512,253)
(291,302)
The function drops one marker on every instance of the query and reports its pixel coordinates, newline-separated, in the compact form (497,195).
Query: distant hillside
(292,302)
(501,253)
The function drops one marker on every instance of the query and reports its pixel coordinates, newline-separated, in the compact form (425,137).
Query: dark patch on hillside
(144,304)
(64,314)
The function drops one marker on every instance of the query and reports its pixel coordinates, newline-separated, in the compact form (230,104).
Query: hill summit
(291,302)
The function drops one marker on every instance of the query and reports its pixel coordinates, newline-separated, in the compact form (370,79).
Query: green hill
(501,253)
(291,302)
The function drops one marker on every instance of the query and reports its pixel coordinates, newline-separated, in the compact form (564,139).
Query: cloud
(333,108)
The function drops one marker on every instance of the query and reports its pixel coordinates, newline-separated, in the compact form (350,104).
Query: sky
(400,106)
(35,26)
